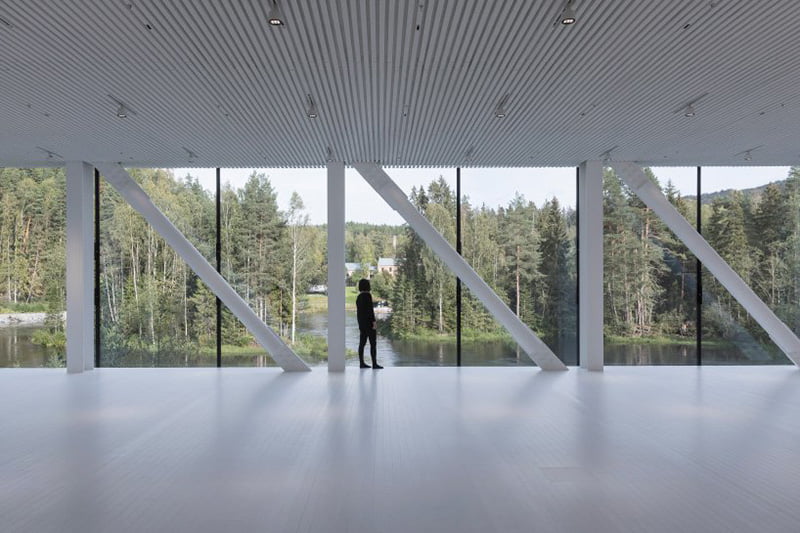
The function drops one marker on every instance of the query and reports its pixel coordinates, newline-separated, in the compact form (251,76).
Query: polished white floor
(401,450)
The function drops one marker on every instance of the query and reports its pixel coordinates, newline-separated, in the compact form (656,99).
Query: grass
(318,303)
(660,340)
(11,307)
(466,336)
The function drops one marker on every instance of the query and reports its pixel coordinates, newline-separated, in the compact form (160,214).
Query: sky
(490,186)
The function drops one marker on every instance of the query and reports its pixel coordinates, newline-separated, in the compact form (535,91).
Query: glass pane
(155,310)
(519,235)
(274,243)
(413,290)
(32,267)
(751,217)
(650,277)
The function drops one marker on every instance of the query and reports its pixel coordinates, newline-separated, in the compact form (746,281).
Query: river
(17,350)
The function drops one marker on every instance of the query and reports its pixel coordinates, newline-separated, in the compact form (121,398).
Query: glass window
(274,246)
(32,267)
(413,290)
(650,291)
(154,310)
(751,217)
(520,231)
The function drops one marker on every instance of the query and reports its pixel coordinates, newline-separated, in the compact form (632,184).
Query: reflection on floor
(403,449)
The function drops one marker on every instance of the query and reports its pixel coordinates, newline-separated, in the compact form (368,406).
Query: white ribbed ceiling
(399,82)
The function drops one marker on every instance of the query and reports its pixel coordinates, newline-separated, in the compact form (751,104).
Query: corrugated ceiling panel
(401,82)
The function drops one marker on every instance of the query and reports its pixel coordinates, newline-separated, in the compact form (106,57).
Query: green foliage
(156,311)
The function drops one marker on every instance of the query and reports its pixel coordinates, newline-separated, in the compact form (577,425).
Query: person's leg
(361,342)
(373,348)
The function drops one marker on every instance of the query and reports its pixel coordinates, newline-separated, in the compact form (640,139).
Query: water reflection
(18,350)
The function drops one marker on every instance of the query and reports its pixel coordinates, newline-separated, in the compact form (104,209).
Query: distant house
(352,268)
(387,265)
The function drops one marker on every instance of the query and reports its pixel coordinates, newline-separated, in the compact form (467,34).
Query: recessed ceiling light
(311,109)
(568,14)
(275,15)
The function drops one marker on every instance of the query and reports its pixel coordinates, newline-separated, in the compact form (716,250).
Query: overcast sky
(493,186)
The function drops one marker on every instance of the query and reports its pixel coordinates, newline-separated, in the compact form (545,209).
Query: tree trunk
(517,280)
(294,286)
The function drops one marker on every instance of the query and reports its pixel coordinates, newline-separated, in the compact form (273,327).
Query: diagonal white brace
(119,178)
(650,194)
(537,350)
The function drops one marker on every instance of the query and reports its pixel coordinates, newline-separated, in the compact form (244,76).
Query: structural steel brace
(119,178)
(537,350)
(650,194)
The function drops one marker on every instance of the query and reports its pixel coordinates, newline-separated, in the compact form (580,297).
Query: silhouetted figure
(366,324)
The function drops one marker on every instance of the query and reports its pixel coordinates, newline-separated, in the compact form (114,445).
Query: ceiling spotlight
(123,111)
(50,153)
(311,109)
(275,16)
(606,156)
(500,110)
(748,156)
(568,14)
(689,112)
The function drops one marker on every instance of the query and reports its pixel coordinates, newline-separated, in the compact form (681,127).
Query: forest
(155,311)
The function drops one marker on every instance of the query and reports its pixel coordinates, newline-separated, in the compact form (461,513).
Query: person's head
(363,285)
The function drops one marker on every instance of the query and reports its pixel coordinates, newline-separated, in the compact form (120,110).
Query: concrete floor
(401,450)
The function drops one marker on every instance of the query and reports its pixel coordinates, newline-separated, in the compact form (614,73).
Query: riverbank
(25,319)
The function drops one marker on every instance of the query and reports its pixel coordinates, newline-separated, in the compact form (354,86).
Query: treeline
(156,311)
(32,237)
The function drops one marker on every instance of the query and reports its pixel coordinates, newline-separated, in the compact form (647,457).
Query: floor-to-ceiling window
(155,311)
(650,277)
(274,254)
(520,236)
(414,290)
(32,267)
(751,217)
(518,233)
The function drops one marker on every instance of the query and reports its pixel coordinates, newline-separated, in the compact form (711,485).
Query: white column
(119,178)
(537,350)
(80,267)
(590,265)
(651,195)
(336,268)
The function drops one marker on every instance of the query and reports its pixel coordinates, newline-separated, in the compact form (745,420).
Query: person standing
(366,324)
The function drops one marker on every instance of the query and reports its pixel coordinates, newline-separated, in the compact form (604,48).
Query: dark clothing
(366,324)
(373,348)
(365,312)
